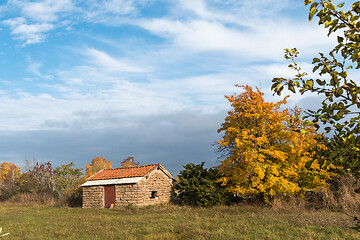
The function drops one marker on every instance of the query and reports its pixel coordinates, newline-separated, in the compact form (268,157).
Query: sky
(142,78)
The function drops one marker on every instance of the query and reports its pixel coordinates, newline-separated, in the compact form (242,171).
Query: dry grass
(341,195)
(32,199)
(174,222)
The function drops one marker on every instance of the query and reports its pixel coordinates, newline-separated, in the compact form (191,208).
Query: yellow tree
(9,173)
(268,151)
(96,165)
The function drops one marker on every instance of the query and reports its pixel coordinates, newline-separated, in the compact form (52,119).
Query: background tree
(67,183)
(340,106)
(42,174)
(96,165)
(198,186)
(9,175)
(129,162)
(268,151)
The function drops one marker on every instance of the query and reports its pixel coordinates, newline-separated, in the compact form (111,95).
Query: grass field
(173,222)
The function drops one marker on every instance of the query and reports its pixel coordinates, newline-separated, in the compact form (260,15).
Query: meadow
(174,222)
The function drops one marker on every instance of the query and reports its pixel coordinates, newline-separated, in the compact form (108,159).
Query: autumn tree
(129,162)
(340,110)
(9,174)
(96,165)
(42,173)
(268,151)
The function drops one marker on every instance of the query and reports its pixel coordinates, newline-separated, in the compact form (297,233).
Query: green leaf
(315,60)
(327,129)
(314,5)
(330,6)
(312,13)
(327,24)
(343,74)
(320,82)
(307,2)
(340,5)
(310,83)
(291,88)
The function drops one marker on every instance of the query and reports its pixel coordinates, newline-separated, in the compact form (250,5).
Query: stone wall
(127,194)
(141,193)
(93,197)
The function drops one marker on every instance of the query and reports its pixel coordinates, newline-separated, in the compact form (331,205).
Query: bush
(72,197)
(42,184)
(198,186)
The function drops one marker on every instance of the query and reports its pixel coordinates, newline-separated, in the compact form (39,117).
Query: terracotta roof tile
(117,173)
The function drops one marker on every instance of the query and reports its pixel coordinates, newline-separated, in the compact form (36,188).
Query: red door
(109,195)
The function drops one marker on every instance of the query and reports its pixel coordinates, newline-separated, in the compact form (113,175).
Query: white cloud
(109,12)
(34,68)
(37,19)
(198,7)
(262,41)
(46,15)
(118,6)
(108,63)
(46,10)
(28,33)
(90,98)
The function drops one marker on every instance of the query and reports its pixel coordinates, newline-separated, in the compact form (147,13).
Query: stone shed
(142,185)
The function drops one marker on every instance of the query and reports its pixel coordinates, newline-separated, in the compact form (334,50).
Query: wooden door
(109,195)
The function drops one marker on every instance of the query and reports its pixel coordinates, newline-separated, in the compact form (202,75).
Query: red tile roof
(117,173)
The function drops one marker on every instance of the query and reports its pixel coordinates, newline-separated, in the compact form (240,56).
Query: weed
(3,234)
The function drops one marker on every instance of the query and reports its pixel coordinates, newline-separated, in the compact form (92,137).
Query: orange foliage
(96,165)
(9,173)
(269,151)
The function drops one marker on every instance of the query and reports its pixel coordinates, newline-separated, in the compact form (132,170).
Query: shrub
(198,186)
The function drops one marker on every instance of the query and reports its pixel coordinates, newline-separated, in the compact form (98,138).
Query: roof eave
(117,181)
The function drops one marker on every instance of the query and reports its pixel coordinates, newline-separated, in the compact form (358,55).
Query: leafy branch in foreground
(341,106)
(340,110)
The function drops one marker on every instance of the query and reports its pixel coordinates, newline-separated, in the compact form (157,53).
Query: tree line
(60,184)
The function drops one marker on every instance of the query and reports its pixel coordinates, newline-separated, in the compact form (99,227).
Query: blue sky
(143,78)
